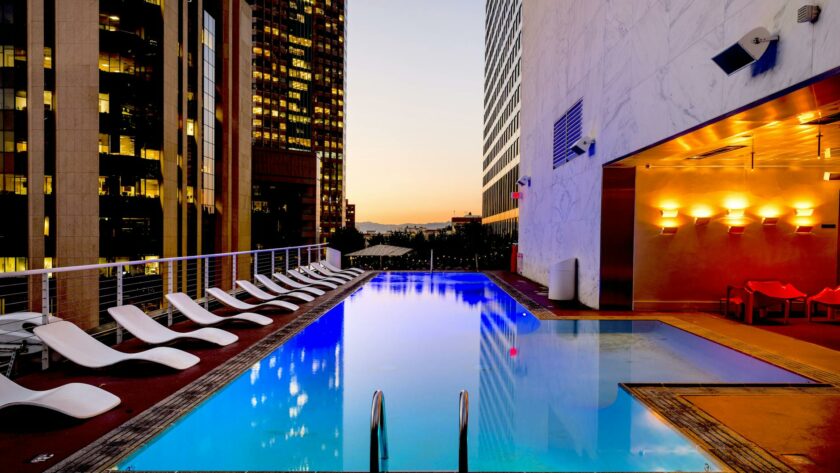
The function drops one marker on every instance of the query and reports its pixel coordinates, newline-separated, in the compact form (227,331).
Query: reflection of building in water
(496,419)
(300,389)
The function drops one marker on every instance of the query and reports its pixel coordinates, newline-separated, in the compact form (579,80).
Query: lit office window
(208,164)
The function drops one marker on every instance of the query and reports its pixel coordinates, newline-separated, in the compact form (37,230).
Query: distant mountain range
(384,227)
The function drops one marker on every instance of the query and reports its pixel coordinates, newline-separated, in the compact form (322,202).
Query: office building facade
(500,167)
(298,121)
(126,132)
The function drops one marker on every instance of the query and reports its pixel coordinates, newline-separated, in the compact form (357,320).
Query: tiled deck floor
(22,435)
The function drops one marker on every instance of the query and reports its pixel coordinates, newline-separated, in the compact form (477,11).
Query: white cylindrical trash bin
(561,280)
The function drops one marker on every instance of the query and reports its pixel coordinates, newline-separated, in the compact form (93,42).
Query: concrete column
(169,158)
(35,144)
(77,157)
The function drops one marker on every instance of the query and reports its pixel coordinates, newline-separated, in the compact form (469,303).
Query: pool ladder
(379,434)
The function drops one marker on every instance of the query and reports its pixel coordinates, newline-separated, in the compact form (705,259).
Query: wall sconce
(804,229)
(671,230)
(702,220)
(735,213)
(737,229)
(831,176)
(768,221)
(669,213)
(804,212)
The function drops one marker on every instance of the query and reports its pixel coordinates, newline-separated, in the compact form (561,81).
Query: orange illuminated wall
(689,265)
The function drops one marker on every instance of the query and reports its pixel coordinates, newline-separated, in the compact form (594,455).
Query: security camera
(746,51)
(582,145)
(524,181)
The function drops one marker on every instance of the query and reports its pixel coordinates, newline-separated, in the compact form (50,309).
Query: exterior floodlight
(746,51)
(582,145)
(808,14)
(524,181)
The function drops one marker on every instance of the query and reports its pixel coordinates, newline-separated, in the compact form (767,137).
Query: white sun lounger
(15,328)
(255,291)
(331,267)
(79,347)
(234,303)
(301,280)
(193,311)
(274,287)
(78,400)
(319,277)
(321,270)
(150,331)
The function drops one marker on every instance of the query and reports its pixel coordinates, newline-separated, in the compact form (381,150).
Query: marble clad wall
(644,71)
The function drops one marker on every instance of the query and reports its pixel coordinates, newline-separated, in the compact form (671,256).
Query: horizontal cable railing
(82,294)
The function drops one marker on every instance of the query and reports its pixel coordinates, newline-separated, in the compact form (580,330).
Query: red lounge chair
(765,294)
(828,297)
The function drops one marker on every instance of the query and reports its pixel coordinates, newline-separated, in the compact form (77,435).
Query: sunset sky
(414,109)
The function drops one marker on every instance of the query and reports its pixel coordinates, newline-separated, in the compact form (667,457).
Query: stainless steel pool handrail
(464,420)
(378,433)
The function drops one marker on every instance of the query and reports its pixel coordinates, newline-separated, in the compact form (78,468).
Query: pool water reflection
(544,394)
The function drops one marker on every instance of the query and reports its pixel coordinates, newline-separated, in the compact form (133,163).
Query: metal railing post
(287,260)
(170,288)
(119,301)
(298,258)
(272,263)
(378,433)
(319,252)
(233,273)
(463,423)
(206,281)
(45,316)
(308,256)
(256,268)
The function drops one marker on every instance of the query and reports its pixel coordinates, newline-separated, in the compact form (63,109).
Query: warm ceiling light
(803,212)
(669,213)
(770,221)
(702,220)
(737,229)
(735,213)
(804,229)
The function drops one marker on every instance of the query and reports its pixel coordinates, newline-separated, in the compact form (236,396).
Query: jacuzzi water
(544,395)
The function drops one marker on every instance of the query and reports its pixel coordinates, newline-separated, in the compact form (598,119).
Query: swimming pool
(544,394)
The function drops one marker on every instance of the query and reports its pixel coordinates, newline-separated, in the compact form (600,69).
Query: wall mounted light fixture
(735,213)
(804,229)
(669,213)
(669,230)
(702,220)
(831,176)
(769,221)
(804,212)
(737,229)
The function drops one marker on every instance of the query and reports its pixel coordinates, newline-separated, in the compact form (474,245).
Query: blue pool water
(544,394)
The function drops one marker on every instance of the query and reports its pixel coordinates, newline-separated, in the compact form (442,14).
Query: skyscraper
(298,120)
(126,130)
(502,46)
